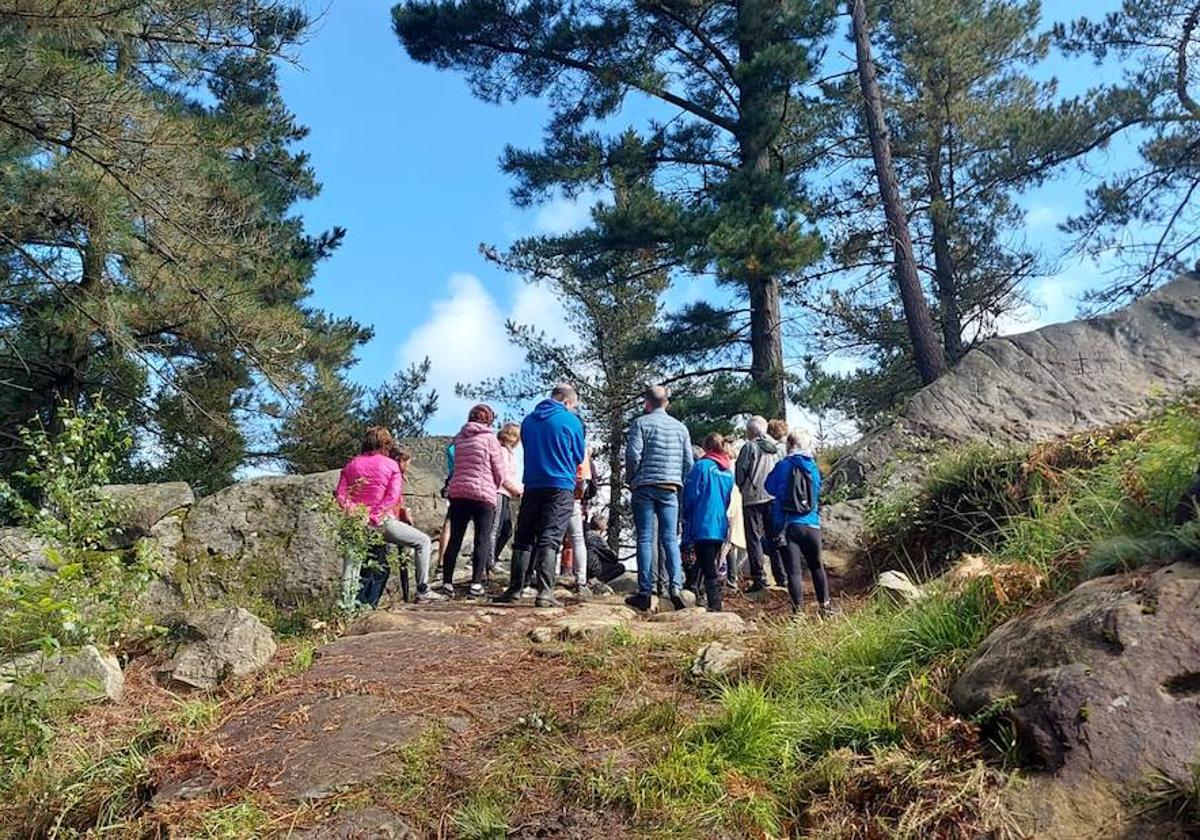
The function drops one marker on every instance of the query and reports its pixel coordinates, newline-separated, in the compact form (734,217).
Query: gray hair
(799,440)
(756,426)
(564,393)
(656,395)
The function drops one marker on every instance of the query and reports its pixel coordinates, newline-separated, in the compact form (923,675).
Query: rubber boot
(544,566)
(713,590)
(516,582)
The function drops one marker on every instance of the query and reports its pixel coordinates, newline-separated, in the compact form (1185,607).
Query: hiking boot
(677,600)
(714,593)
(757,586)
(544,563)
(520,562)
(546,600)
(477,590)
(507,597)
(639,602)
(429,596)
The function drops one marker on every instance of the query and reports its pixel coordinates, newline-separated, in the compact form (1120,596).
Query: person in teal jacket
(800,528)
(705,504)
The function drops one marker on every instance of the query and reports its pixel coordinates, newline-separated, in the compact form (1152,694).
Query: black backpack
(799,498)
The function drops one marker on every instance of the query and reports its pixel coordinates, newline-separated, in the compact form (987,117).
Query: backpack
(799,498)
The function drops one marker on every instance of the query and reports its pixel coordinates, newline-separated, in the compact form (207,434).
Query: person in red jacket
(479,472)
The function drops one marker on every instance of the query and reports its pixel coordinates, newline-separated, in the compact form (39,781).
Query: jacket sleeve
(499,468)
(741,469)
(691,494)
(774,481)
(633,451)
(342,493)
(578,442)
(514,487)
(391,496)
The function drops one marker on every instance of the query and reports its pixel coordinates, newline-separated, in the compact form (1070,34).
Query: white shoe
(477,590)
(429,595)
(529,592)
(447,589)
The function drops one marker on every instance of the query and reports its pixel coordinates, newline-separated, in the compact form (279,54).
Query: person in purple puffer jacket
(479,472)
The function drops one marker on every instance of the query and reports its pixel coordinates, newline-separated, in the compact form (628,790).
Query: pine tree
(731,81)
(146,241)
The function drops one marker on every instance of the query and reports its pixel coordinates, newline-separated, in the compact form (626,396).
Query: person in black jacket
(603,563)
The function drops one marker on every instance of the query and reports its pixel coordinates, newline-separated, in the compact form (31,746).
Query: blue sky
(408,159)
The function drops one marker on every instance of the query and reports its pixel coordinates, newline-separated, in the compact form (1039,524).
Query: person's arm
(771,485)
(633,452)
(391,496)
(691,494)
(499,470)
(689,460)
(741,468)
(514,487)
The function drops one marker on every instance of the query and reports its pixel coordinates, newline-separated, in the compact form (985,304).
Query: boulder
(142,506)
(20,548)
(221,643)
(86,675)
(716,660)
(1104,681)
(899,588)
(591,620)
(1032,387)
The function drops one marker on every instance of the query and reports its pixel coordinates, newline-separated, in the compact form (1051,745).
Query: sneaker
(638,602)
(447,589)
(827,610)
(529,592)
(546,601)
(507,597)
(477,590)
(429,595)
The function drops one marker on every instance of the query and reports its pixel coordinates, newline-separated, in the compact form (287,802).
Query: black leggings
(804,544)
(505,530)
(707,552)
(464,512)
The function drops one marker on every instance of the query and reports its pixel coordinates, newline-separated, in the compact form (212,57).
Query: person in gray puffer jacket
(658,458)
(754,463)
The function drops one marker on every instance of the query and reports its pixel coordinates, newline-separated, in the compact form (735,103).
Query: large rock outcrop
(1053,381)
(1104,682)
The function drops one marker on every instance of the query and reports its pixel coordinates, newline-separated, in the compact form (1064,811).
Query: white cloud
(563,215)
(465,340)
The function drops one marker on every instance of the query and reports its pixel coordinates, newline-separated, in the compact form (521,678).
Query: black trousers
(760,541)
(543,519)
(373,578)
(464,512)
(505,531)
(804,547)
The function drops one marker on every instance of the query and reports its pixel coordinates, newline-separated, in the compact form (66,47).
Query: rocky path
(332,743)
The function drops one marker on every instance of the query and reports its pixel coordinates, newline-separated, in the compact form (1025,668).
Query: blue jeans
(657,506)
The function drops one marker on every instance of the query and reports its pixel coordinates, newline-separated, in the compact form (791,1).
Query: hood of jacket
(720,459)
(547,408)
(473,429)
(766,445)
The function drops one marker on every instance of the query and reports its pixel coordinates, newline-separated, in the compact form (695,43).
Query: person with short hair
(704,506)
(658,458)
(758,457)
(479,472)
(553,441)
(795,485)
(373,482)
(778,431)
(603,563)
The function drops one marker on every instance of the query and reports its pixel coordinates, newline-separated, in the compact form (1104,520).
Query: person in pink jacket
(479,472)
(372,483)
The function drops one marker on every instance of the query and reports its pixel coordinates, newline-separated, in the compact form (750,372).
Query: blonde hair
(799,440)
(509,434)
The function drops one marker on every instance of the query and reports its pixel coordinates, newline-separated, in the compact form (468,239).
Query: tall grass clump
(822,687)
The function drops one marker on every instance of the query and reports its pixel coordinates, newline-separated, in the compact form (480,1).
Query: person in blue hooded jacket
(552,439)
(705,508)
(795,484)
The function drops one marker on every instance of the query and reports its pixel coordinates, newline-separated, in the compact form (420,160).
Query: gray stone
(626,584)
(899,588)
(86,675)
(221,643)
(142,506)
(371,823)
(591,620)
(694,621)
(20,548)
(1103,682)
(1026,388)
(541,635)
(716,660)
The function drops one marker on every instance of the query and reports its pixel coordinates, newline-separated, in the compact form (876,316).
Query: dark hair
(714,442)
(377,439)
(482,414)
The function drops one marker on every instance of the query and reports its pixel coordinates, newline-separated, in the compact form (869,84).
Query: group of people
(688,503)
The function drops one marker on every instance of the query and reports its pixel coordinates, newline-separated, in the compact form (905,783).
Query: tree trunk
(926,350)
(761,108)
(943,268)
(616,478)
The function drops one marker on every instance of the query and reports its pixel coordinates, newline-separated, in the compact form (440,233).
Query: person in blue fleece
(705,510)
(552,439)
(795,484)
